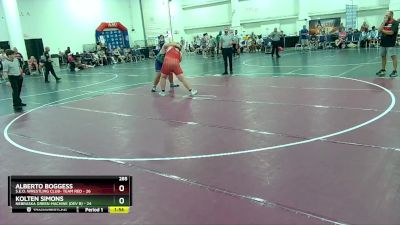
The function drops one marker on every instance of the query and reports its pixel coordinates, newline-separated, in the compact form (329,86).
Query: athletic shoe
(162,93)
(173,85)
(381,73)
(154,89)
(225,73)
(58,78)
(193,92)
(393,74)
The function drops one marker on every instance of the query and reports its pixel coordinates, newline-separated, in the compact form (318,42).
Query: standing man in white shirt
(12,70)
(226,44)
(276,39)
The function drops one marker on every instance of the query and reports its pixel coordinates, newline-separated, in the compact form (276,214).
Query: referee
(48,66)
(13,71)
(226,43)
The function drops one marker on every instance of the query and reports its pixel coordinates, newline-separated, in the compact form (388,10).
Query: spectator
(218,39)
(212,45)
(19,57)
(389,29)
(373,36)
(48,66)
(304,35)
(33,65)
(364,27)
(71,62)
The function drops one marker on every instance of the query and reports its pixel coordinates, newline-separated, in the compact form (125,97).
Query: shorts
(158,66)
(168,68)
(304,41)
(391,51)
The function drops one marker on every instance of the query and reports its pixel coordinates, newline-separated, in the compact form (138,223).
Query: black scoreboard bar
(70,194)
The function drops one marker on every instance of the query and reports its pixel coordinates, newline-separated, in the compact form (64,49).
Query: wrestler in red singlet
(171,63)
(172,66)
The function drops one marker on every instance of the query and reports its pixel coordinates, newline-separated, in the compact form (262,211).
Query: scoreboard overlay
(70,194)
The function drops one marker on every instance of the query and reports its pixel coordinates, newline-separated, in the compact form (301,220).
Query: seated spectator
(95,59)
(259,42)
(102,58)
(364,27)
(373,37)
(118,56)
(33,65)
(87,58)
(314,41)
(128,54)
(71,62)
(110,56)
(364,38)
(341,41)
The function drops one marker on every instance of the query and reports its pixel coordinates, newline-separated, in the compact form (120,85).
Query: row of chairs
(329,41)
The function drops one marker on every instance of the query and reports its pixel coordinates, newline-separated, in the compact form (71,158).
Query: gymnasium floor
(310,138)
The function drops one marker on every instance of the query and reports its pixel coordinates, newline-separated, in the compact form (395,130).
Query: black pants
(275,45)
(72,66)
(212,50)
(16,85)
(234,49)
(227,54)
(364,43)
(49,68)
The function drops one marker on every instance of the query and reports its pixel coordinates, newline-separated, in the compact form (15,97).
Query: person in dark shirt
(161,41)
(389,29)
(68,51)
(48,66)
(304,35)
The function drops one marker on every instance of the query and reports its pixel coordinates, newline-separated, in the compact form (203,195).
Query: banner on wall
(351,16)
(328,25)
(112,35)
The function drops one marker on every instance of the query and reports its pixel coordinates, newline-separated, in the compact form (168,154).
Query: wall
(3,26)
(261,16)
(136,36)
(267,9)
(156,17)
(73,22)
(206,16)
